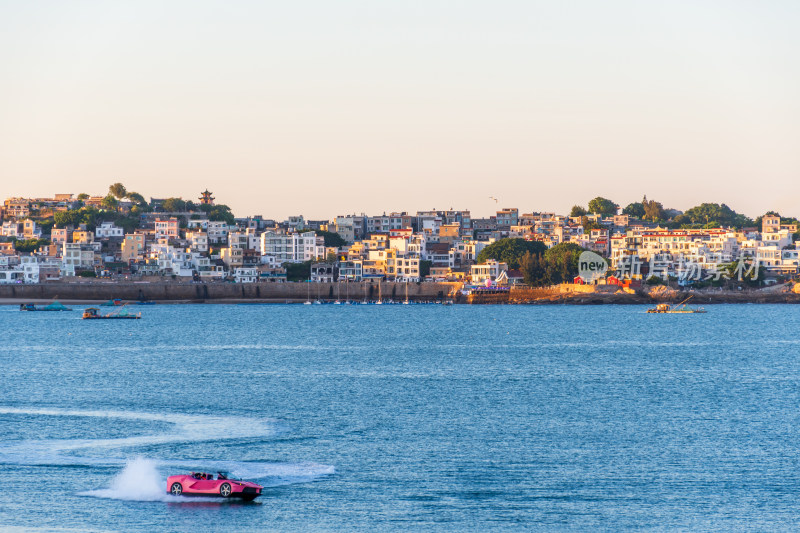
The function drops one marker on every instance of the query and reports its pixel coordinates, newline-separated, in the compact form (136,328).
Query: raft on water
(680,308)
(52,306)
(93,313)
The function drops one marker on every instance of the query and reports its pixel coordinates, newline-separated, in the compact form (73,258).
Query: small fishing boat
(93,313)
(114,302)
(679,308)
(338,294)
(55,305)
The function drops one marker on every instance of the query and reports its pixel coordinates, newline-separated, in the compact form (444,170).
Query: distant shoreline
(93,293)
(183,292)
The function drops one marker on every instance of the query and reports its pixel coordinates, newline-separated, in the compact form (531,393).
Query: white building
(244,240)
(296,223)
(351,270)
(779,238)
(76,256)
(245,275)
(292,247)
(10,269)
(40,269)
(405,269)
(11,275)
(466,252)
(238,240)
(171,261)
(324,272)
(488,271)
(344,226)
(11,228)
(217,231)
(107,230)
(199,241)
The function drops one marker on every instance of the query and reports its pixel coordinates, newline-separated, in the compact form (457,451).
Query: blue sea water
(397,418)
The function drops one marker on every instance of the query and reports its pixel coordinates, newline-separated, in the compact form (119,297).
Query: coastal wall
(172,291)
(200,292)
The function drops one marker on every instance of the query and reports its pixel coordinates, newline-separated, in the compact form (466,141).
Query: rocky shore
(597,295)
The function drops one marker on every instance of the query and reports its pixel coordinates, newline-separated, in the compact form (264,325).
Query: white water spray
(138,481)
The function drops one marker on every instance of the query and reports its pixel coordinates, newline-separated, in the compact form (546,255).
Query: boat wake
(138,481)
(144,479)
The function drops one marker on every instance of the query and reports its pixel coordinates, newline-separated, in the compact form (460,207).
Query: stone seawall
(97,291)
(171,291)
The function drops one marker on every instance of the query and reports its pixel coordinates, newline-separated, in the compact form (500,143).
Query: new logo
(591,267)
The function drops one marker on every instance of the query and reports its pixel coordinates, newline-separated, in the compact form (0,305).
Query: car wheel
(225,490)
(176,489)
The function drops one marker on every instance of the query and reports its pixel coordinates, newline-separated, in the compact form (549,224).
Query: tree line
(110,211)
(705,215)
(540,266)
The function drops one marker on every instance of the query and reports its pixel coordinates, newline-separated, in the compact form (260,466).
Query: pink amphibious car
(204,484)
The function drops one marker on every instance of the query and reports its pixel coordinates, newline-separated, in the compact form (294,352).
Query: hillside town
(121,236)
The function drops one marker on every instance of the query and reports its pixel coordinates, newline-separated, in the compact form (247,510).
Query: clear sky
(326,108)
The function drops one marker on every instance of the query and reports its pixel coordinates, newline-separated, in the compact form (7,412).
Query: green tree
(534,273)
(331,239)
(136,198)
(63,219)
(173,205)
(46,225)
(221,212)
(83,196)
(30,245)
(577,211)
(712,215)
(635,210)
(298,271)
(561,262)
(603,206)
(653,211)
(89,216)
(425,268)
(110,203)
(128,224)
(589,225)
(117,190)
(743,272)
(510,251)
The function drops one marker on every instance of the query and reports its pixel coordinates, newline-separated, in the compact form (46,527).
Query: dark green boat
(52,306)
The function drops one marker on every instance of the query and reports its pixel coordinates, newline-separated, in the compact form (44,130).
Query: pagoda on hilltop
(206,198)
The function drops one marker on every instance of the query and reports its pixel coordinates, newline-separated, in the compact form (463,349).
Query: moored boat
(680,308)
(93,313)
(55,305)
